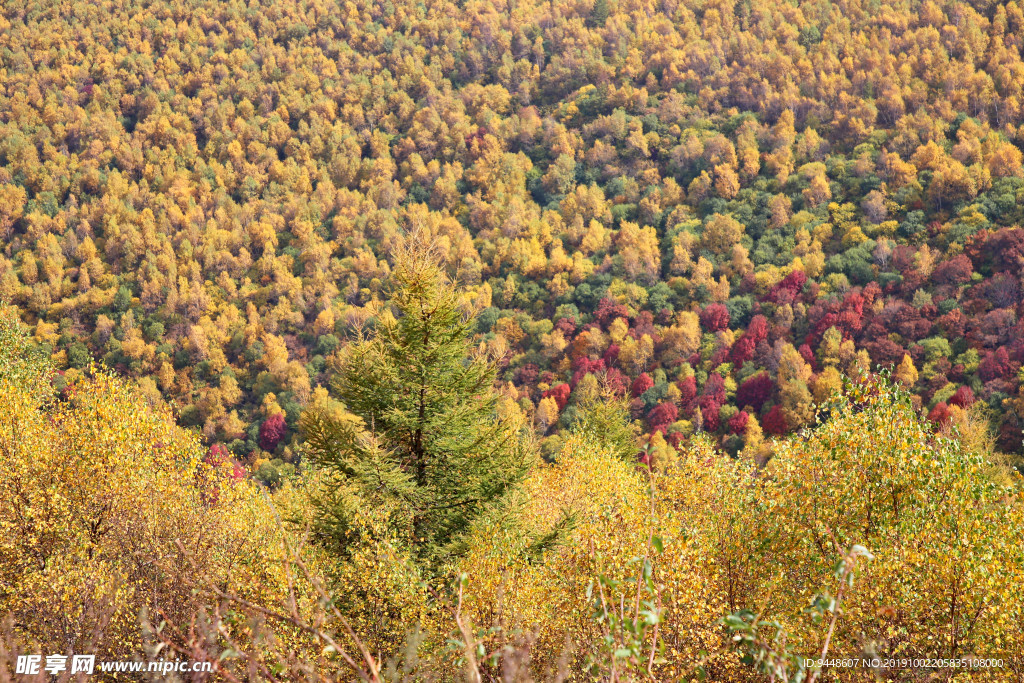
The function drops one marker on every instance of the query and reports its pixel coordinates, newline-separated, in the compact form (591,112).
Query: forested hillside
(429,543)
(715,208)
(437,340)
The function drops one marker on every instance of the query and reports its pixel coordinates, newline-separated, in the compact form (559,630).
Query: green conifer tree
(423,443)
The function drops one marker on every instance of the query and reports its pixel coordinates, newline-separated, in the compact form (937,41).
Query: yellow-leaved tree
(868,536)
(114,520)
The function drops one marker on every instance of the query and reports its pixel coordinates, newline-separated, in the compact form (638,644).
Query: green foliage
(424,441)
(626,651)
(603,420)
(21,362)
(210,200)
(764,643)
(78,355)
(935,348)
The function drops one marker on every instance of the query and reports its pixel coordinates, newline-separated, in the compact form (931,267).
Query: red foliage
(715,317)
(958,373)
(908,321)
(823,319)
(636,408)
(963,397)
(1010,437)
(952,324)
(902,259)
(996,365)
(687,391)
(560,392)
(616,381)
(711,400)
(567,326)
(1001,250)
(608,310)
(715,388)
(661,416)
(611,354)
(850,322)
(808,356)
(955,271)
(641,384)
(528,374)
(755,391)
(885,351)
(577,376)
(587,365)
(871,292)
(939,414)
(995,327)
(774,422)
(709,408)
(846,316)
(854,303)
(787,289)
(719,356)
(584,365)
(1003,290)
(219,455)
(1016,347)
(743,349)
(738,422)
(272,431)
(644,324)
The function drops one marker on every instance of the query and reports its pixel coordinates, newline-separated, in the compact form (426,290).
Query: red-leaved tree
(272,431)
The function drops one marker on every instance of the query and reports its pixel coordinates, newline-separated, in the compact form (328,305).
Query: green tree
(603,420)
(422,440)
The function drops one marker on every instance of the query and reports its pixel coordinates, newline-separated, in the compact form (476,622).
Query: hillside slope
(714,207)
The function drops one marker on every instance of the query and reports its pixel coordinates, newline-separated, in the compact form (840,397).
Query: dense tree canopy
(208,196)
(668,233)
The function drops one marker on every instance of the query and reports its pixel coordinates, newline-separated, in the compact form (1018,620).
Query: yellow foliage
(906,373)
(115,510)
(611,513)
(734,538)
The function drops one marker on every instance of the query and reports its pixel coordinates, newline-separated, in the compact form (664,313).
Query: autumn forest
(394,339)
